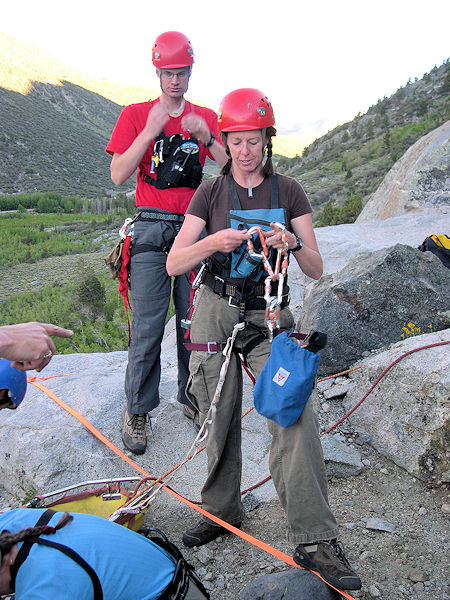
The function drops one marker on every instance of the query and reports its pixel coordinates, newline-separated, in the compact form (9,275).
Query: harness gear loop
(278,273)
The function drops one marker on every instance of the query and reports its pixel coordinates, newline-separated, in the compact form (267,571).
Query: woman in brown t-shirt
(230,303)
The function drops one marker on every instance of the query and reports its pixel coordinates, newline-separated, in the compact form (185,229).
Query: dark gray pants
(150,290)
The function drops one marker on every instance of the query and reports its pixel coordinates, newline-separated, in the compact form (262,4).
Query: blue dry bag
(286,381)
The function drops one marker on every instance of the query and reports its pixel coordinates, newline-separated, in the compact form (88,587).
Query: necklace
(176,112)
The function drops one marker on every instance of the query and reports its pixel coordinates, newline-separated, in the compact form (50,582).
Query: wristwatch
(299,245)
(212,139)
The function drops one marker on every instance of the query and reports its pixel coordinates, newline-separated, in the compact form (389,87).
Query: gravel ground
(408,562)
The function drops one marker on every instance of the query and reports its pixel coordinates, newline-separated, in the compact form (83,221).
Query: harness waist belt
(214,347)
(253,298)
(220,286)
(155,215)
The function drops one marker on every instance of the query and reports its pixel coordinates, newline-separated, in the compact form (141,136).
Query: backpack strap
(22,555)
(98,592)
(24,551)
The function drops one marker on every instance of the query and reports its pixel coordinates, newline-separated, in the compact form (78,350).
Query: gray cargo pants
(150,289)
(296,458)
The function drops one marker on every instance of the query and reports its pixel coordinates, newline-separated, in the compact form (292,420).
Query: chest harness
(175,160)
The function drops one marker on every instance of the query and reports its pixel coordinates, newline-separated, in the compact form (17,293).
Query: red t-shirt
(130,123)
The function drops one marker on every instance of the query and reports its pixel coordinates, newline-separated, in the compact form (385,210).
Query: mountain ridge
(41,98)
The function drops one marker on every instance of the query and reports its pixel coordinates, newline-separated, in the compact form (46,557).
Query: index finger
(51,329)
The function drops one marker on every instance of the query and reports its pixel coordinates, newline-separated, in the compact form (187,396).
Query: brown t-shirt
(212,202)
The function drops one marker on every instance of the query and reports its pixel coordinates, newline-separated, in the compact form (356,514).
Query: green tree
(90,292)
(327,216)
(422,107)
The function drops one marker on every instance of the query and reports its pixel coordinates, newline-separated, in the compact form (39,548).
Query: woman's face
(246,149)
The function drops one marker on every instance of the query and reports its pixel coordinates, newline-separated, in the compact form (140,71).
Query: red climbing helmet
(245,109)
(172,50)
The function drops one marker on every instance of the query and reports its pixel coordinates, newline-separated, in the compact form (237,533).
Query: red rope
(377,381)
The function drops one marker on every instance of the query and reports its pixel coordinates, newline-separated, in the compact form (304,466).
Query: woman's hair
(268,165)
(8,539)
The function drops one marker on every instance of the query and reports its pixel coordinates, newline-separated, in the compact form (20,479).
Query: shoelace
(339,551)
(137,421)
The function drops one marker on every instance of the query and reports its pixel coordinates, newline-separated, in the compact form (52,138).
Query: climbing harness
(119,259)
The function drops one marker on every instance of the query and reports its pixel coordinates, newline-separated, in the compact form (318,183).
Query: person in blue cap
(45,554)
(13,385)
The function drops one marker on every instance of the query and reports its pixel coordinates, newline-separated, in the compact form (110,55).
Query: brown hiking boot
(133,432)
(205,531)
(329,560)
(191,413)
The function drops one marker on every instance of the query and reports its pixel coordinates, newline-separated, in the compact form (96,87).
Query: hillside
(56,123)
(353,158)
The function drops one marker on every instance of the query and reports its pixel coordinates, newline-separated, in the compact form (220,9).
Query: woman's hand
(227,240)
(274,237)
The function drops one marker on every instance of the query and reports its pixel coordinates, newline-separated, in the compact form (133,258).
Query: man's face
(174,82)
(5,401)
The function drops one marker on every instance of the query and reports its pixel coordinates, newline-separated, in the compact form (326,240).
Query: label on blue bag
(281,376)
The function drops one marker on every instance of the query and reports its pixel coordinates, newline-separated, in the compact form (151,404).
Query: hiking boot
(329,560)
(133,432)
(191,413)
(205,531)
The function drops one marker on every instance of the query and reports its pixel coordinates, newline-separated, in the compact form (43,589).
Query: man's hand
(157,118)
(197,126)
(29,345)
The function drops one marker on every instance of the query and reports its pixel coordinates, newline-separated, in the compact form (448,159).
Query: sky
(320,63)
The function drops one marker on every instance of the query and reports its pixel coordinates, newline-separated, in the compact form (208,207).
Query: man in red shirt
(167,141)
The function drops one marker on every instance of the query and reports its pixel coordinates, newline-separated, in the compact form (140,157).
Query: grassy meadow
(52,269)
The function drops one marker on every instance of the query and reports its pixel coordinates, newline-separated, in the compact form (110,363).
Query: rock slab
(288,585)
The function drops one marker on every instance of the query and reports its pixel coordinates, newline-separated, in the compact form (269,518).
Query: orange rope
(337,374)
(245,536)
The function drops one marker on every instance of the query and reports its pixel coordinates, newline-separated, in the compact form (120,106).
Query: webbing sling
(22,555)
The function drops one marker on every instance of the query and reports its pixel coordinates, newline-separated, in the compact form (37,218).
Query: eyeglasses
(183,74)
